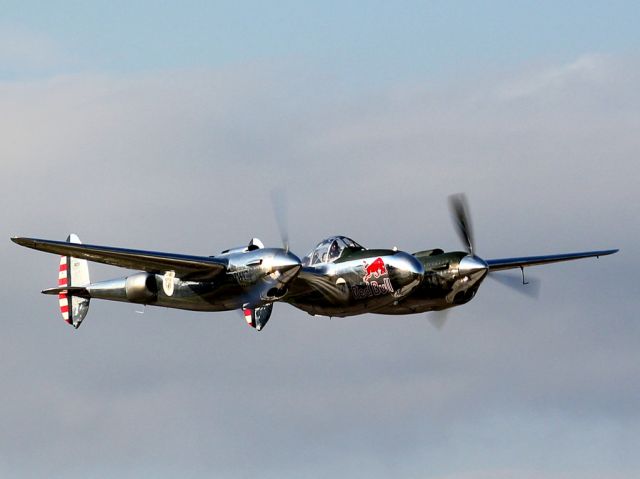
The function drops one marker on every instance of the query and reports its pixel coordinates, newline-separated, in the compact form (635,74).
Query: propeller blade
(280,205)
(438,318)
(531,289)
(462,220)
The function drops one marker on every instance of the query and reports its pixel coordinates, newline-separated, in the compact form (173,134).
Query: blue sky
(369,42)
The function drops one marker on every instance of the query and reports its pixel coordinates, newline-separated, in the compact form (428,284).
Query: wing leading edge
(511,263)
(186,267)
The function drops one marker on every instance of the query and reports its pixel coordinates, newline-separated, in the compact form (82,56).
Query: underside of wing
(521,262)
(192,268)
(310,281)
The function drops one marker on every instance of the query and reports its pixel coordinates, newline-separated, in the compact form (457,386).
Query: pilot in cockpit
(330,250)
(334,251)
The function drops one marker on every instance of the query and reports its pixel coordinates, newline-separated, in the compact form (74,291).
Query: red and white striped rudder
(73,272)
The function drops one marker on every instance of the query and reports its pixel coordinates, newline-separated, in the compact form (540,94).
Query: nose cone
(472,266)
(406,272)
(286,266)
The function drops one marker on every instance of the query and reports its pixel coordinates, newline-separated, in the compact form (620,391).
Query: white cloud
(184,161)
(590,69)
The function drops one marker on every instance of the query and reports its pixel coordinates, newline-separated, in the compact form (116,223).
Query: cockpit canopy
(329,250)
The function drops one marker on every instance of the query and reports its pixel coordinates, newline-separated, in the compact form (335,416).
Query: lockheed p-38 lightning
(338,278)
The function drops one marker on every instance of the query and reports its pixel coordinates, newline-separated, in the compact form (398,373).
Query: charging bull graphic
(377,268)
(381,284)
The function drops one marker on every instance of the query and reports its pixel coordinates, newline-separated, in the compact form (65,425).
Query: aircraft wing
(190,268)
(510,263)
(310,281)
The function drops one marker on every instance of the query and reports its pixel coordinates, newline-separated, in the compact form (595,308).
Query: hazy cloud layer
(184,161)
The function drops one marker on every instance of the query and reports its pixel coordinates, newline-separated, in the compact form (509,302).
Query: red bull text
(378,270)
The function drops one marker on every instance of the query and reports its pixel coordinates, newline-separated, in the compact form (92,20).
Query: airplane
(338,278)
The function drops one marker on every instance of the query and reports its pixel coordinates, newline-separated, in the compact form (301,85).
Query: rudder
(73,272)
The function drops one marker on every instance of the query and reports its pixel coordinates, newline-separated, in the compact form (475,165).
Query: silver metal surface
(141,288)
(511,263)
(344,279)
(470,265)
(201,268)
(339,277)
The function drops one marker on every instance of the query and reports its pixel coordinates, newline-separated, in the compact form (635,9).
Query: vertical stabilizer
(258,316)
(73,272)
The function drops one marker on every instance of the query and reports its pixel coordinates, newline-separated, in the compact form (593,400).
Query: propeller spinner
(472,268)
(471,263)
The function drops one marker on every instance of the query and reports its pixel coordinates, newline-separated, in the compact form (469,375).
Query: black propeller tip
(462,219)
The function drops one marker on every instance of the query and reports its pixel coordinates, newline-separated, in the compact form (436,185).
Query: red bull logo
(376,281)
(376,269)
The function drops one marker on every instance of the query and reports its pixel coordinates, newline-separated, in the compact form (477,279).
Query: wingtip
(23,241)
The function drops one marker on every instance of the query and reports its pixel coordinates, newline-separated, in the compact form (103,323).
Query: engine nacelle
(141,288)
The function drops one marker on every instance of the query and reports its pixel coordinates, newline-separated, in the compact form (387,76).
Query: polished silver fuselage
(344,288)
(251,278)
(337,278)
(412,284)
(363,282)
(146,288)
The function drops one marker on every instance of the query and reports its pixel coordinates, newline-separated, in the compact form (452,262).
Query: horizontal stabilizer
(72,290)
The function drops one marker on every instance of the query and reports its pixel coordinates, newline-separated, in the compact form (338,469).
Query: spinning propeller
(280,207)
(472,264)
(462,221)
(280,266)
